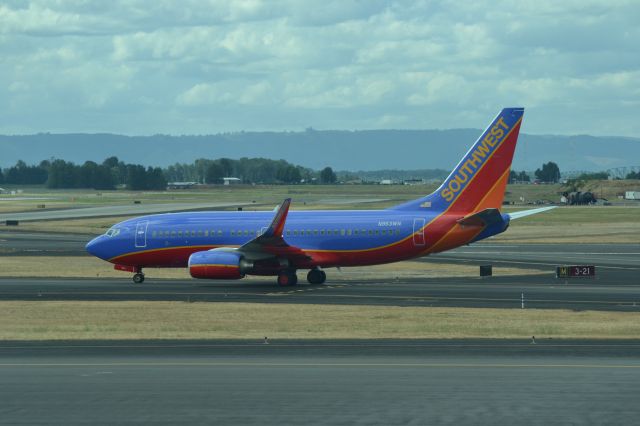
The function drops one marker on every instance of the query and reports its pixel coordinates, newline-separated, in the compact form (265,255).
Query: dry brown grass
(181,320)
(91,267)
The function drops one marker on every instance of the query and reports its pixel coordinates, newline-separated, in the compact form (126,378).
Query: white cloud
(209,66)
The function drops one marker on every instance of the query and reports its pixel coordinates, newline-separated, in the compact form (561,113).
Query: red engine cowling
(216,265)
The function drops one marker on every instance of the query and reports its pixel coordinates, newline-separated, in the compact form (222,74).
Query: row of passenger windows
(288,233)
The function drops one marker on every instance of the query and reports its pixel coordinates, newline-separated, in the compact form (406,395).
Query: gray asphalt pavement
(613,290)
(320,382)
(543,256)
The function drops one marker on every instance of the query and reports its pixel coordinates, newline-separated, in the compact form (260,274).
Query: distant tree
(111,162)
(594,176)
(136,177)
(288,173)
(518,177)
(633,175)
(155,179)
(327,175)
(550,172)
(215,173)
(64,174)
(573,185)
(227,167)
(1,177)
(22,174)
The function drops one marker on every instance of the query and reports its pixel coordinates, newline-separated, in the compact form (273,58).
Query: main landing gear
(287,278)
(316,276)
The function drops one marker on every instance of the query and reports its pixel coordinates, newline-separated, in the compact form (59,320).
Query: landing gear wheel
(138,278)
(287,278)
(316,276)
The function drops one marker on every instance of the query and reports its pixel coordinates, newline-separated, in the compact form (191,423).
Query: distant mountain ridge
(342,150)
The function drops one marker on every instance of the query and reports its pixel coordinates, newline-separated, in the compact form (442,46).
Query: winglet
(277,225)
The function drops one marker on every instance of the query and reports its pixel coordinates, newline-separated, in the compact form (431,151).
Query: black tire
(286,279)
(138,278)
(316,276)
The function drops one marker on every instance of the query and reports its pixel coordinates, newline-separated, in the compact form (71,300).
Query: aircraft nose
(92,246)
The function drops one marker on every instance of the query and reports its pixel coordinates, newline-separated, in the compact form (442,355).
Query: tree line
(58,173)
(248,170)
(112,173)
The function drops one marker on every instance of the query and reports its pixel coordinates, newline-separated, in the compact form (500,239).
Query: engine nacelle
(217,265)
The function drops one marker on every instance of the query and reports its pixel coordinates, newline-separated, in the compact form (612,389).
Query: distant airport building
(231,180)
(632,195)
(181,185)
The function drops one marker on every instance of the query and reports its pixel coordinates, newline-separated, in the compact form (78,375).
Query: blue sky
(198,67)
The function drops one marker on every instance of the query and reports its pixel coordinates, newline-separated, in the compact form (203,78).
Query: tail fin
(479,180)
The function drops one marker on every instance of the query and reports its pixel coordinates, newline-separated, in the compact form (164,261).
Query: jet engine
(218,265)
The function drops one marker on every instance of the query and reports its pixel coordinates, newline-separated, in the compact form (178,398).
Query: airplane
(231,245)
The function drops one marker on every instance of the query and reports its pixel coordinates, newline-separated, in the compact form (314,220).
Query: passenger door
(141,234)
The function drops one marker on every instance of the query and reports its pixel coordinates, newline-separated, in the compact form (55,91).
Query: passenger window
(348,231)
(154,234)
(173,234)
(343,232)
(295,233)
(246,233)
(252,233)
(179,233)
(206,233)
(233,233)
(219,232)
(288,232)
(377,232)
(397,232)
(322,232)
(370,232)
(315,232)
(193,233)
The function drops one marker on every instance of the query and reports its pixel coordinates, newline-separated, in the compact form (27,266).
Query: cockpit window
(112,232)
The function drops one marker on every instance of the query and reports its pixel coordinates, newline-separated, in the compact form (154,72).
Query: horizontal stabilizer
(486,217)
(525,213)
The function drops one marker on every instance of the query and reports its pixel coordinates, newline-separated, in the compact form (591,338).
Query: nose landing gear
(138,277)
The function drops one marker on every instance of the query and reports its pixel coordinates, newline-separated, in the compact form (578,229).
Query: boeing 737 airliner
(230,245)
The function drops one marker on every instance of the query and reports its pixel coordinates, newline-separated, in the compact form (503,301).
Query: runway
(114,210)
(320,382)
(616,286)
(615,290)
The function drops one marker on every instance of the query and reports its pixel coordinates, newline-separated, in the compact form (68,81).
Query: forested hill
(342,150)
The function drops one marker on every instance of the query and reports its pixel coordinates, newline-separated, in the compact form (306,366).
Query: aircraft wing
(271,243)
(525,213)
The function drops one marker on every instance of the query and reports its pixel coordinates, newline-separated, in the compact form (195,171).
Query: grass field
(273,194)
(182,320)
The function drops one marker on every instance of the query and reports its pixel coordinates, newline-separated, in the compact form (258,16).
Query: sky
(137,67)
